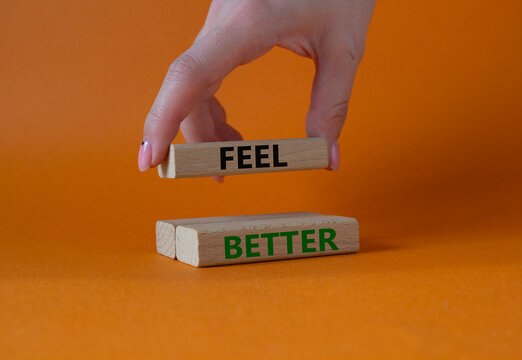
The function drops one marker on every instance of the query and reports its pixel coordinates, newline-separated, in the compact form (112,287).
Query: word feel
(261,154)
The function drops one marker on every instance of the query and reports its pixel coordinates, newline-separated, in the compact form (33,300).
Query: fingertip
(335,156)
(145,154)
(219,179)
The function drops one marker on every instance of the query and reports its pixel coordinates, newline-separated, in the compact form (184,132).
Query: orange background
(431,167)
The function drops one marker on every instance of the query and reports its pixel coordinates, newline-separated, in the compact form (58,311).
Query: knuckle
(345,45)
(334,113)
(250,13)
(337,112)
(186,67)
(327,119)
(256,5)
(154,116)
(355,48)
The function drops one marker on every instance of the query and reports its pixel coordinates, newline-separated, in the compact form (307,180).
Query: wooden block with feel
(243,241)
(243,157)
(166,229)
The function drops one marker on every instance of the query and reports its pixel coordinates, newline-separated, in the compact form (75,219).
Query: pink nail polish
(335,156)
(145,155)
(219,179)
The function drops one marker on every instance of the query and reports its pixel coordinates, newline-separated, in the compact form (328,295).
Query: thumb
(331,92)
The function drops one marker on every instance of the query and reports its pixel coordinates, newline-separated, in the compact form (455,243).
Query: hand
(331,32)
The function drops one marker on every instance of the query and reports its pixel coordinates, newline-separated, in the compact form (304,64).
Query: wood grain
(243,241)
(166,229)
(243,157)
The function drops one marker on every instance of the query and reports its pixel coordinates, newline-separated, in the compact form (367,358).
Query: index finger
(206,63)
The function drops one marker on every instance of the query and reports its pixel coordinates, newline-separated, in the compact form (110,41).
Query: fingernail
(335,156)
(219,179)
(145,155)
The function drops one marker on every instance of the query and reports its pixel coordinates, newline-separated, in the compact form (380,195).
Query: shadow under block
(166,229)
(244,241)
(243,157)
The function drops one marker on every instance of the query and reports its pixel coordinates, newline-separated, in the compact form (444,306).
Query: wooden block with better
(244,241)
(166,229)
(243,157)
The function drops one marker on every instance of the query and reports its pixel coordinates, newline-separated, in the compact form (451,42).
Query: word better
(234,248)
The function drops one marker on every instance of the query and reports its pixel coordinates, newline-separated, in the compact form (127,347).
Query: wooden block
(166,229)
(243,157)
(243,241)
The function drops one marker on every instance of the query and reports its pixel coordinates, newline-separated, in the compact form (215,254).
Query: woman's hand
(331,32)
